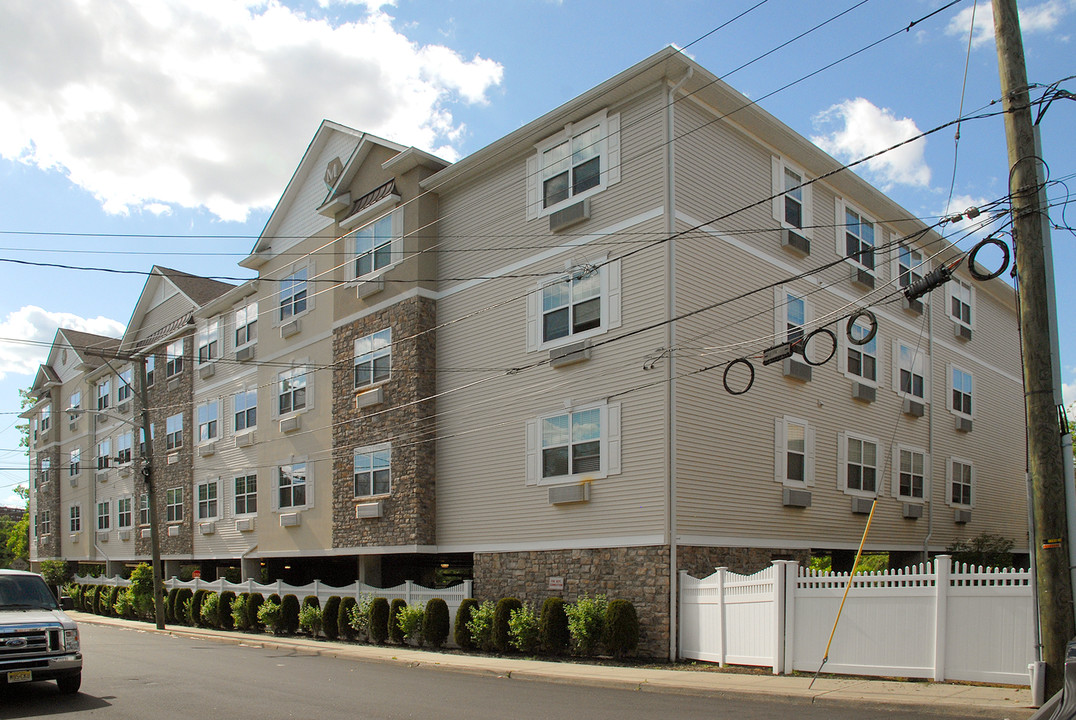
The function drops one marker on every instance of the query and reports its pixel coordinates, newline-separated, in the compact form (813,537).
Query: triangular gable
(161,286)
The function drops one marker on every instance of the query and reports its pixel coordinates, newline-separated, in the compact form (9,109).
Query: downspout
(670,336)
(930,431)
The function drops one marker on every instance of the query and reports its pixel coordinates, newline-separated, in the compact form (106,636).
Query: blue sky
(130,131)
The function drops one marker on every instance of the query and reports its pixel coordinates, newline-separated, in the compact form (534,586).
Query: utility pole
(147,476)
(1045,459)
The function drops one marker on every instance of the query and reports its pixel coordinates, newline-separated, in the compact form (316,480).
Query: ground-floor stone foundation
(701,562)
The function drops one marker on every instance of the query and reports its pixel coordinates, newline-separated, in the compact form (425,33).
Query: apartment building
(541,366)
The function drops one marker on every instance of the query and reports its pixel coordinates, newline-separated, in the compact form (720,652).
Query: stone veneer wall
(638,574)
(48,495)
(701,562)
(408,515)
(166,395)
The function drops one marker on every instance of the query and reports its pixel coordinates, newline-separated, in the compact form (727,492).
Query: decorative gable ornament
(333,171)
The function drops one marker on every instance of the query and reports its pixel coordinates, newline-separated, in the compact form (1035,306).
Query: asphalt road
(135,674)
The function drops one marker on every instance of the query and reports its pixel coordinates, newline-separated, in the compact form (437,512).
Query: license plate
(19,676)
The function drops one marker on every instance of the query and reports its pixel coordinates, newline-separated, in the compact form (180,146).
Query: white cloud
(1041,18)
(149,102)
(861,128)
(31,323)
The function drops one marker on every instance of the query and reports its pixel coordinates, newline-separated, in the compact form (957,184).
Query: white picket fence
(409,592)
(931,621)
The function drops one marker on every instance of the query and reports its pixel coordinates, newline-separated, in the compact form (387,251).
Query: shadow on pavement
(41,699)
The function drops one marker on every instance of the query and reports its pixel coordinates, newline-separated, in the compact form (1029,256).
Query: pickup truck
(37,640)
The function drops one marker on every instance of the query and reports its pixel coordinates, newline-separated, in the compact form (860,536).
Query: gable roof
(195,289)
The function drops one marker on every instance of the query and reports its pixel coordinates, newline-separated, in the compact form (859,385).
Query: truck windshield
(25,592)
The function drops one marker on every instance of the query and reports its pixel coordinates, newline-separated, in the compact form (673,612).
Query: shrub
(461,633)
(359,616)
(95,600)
(185,609)
(123,607)
(553,635)
(344,618)
(170,605)
(586,623)
(481,626)
(377,620)
(330,618)
(523,629)
(210,610)
(270,616)
(289,611)
(113,596)
(141,590)
(395,633)
(311,600)
(224,618)
(310,619)
(621,628)
(240,616)
(195,616)
(75,592)
(254,603)
(183,599)
(501,615)
(409,622)
(435,623)
(55,572)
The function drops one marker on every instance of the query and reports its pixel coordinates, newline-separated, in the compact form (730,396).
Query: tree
(984,549)
(15,534)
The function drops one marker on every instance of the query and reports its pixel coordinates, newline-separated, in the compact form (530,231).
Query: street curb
(855,694)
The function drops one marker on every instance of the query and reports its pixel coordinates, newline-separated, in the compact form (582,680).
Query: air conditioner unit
(571,215)
(963,425)
(75,537)
(962,332)
(145,533)
(244,524)
(290,424)
(207,528)
(866,393)
(913,408)
(796,370)
(74,482)
(207,449)
(290,519)
(173,531)
(913,511)
(564,494)
(290,328)
(863,278)
(207,371)
(796,498)
(245,353)
(172,459)
(569,354)
(366,288)
(173,384)
(369,398)
(961,516)
(369,510)
(244,440)
(913,306)
(125,534)
(125,471)
(795,242)
(124,407)
(102,477)
(862,505)
(102,537)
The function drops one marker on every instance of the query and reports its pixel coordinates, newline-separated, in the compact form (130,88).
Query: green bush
(501,614)
(553,635)
(141,590)
(94,600)
(113,596)
(224,618)
(310,619)
(240,617)
(210,610)
(435,623)
(377,623)
(461,633)
(621,628)
(311,600)
(344,618)
(523,629)
(183,599)
(330,618)
(481,626)
(195,613)
(55,572)
(270,615)
(586,623)
(170,605)
(395,633)
(359,617)
(254,603)
(409,622)
(289,610)
(123,607)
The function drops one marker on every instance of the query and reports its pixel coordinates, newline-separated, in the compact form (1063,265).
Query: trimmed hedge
(379,620)
(330,615)
(460,632)
(224,621)
(311,600)
(502,637)
(395,632)
(195,617)
(254,603)
(113,596)
(553,635)
(289,612)
(343,618)
(621,628)
(170,605)
(435,623)
(182,597)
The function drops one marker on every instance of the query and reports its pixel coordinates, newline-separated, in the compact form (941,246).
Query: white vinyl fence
(409,592)
(930,621)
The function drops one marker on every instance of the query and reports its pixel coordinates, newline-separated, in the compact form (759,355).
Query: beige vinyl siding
(302,219)
(161,315)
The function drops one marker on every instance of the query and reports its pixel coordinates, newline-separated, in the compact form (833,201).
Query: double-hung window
(246,409)
(293,295)
(207,500)
(372,471)
(791,199)
(46,418)
(291,390)
(124,514)
(75,404)
(960,483)
(76,462)
(209,342)
(911,376)
(124,388)
(75,518)
(46,522)
(143,509)
(142,439)
(577,162)
(173,505)
(104,454)
(173,428)
(246,324)
(291,485)
(123,448)
(960,295)
(795,318)
(373,358)
(572,305)
(373,244)
(246,494)
(571,443)
(858,239)
(861,361)
(104,394)
(860,464)
(207,421)
(911,474)
(46,469)
(151,365)
(103,515)
(961,391)
(910,266)
(174,358)
(793,452)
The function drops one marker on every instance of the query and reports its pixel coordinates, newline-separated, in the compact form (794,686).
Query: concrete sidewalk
(925,697)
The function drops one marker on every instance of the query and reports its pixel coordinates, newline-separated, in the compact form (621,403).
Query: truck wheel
(69,684)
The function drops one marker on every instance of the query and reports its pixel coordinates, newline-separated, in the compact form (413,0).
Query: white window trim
(257,490)
(949,480)
(922,269)
(366,450)
(780,448)
(926,367)
(220,426)
(169,357)
(204,334)
(895,472)
(380,352)
(843,345)
(132,513)
(107,516)
(74,467)
(130,446)
(842,464)
(610,294)
(950,367)
(609,129)
(234,328)
(231,413)
(396,250)
(309,398)
(777,205)
(179,443)
(780,314)
(610,444)
(950,293)
(311,275)
(78,515)
(840,206)
(275,489)
(181,504)
(198,503)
